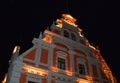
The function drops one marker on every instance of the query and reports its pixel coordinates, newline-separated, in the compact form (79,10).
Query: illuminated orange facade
(59,55)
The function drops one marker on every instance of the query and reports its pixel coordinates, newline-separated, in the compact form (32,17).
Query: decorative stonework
(39,64)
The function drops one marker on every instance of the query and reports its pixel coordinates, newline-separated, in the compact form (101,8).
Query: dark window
(61,63)
(73,36)
(31,82)
(66,34)
(81,69)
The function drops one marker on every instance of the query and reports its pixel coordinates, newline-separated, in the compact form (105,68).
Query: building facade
(59,55)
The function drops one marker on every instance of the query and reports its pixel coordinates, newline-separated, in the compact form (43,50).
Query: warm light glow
(54,69)
(59,23)
(106,69)
(69,19)
(89,78)
(47,39)
(4,81)
(17,48)
(82,81)
(80,32)
(69,73)
(34,70)
(69,16)
(92,47)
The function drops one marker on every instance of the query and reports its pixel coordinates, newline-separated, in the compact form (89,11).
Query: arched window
(73,37)
(66,34)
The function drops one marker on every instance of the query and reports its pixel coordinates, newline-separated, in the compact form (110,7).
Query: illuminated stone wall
(64,40)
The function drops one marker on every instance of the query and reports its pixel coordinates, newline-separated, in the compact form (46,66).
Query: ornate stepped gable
(59,55)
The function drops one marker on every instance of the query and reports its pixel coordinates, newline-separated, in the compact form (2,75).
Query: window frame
(81,61)
(32,79)
(62,55)
(61,63)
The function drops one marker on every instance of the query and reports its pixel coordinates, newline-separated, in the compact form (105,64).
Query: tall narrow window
(81,69)
(73,37)
(61,63)
(66,34)
(94,68)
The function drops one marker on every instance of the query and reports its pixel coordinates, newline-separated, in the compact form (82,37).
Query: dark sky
(21,21)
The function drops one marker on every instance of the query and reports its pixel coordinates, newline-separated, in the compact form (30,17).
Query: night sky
(21,21)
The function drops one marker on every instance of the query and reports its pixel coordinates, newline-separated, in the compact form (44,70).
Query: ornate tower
(60,55)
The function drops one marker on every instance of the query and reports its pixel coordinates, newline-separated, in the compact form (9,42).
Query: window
(31,82)
(73,37)
(81,69)
(94,68)
(61,63)
(66,34)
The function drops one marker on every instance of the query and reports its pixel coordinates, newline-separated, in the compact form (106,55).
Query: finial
(80,32)
(16,49)
(40,36)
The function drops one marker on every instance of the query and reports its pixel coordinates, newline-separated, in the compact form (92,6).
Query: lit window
(61,63)
(81,69)
(73,37)
(66,34)
(31,82)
